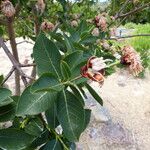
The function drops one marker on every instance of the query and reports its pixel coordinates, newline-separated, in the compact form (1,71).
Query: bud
(95,32)
(105,45)
(47,26)
(40,6)
(7,8)
(74,23)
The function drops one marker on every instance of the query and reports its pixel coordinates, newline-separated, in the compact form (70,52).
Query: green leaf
(43,138)
(73,59)
(94,94)
(71,115)
(65,70)
(4,96)
(51,117)
(47,56)
(13,139)
(53,145)
(7,112)
(31,104)
(76,92)
(1,79)
(34,127)
(47,82)
(68,44)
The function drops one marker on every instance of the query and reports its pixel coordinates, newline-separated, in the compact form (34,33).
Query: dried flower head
(131,57)
(95,32)
(94,69)
(40,6)
(47,26)
(7,8)
(74,23)
(101,22)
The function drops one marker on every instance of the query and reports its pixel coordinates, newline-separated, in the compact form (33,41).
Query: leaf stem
(113,64)
(57,137)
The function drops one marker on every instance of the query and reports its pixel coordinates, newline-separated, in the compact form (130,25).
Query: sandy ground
(127,100)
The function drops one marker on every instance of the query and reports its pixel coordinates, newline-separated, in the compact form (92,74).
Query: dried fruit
(95,32)
(101,22)
(7,8)
(131,58)
(74,23)
(47,26)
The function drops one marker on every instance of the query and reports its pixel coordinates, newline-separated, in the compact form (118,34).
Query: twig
(122,8)
(27,65)
(8,75)
(24,42)
(15,63)
(133,11)
(129,36)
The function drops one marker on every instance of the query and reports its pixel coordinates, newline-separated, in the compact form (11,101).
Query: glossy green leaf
(68,44)
(47,56)
(47,82)
(34,127)
(53,145)
(94,94)
(77,93)
(4,96)
(73,59)
(43,138)
(65,70)
(13,139)
(71,115)
(31,104)
(7,112)
(51,117)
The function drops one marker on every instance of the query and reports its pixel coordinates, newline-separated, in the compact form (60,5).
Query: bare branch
(27,65)
(8,75)
(15,63)
(24,42)
(129,36)
(122,8)
(133,11)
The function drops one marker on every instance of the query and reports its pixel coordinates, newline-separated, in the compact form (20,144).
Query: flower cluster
(101,22)
(7,8)
(47,26)
(94,69)
(131,57)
